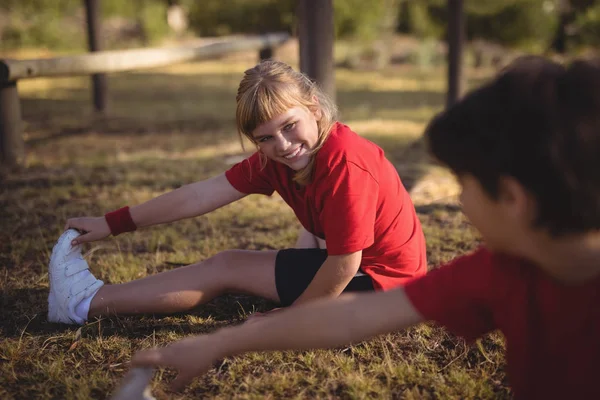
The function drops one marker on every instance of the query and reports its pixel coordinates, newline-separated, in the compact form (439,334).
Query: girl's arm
(333,276)
(187,201)
(319,324)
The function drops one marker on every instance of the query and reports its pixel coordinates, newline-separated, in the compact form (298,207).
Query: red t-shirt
(356,201)
(552,330)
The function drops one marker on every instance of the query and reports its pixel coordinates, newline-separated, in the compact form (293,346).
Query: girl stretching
(360,229)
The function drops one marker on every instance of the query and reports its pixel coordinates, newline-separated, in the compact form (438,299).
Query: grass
(175,125)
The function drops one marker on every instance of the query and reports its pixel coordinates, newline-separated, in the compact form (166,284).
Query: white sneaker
(68,285)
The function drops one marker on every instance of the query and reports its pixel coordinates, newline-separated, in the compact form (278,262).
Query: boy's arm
(319,324)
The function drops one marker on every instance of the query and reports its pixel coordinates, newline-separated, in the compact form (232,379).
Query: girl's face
(288,138)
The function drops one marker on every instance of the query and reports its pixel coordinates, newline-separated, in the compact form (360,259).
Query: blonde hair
(270,89)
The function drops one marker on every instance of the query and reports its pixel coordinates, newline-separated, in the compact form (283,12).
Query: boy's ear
(516,199)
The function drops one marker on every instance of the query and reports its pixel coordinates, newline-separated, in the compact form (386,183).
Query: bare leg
(307,240)
(181,289)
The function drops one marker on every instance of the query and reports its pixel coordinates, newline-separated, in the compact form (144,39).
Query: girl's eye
(289,127)
(264,139)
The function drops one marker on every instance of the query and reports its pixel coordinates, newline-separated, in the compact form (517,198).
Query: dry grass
(169,127)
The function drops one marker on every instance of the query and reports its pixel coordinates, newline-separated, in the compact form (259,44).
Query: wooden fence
(11,71)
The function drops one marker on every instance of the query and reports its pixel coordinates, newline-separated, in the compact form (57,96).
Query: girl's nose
(282,143)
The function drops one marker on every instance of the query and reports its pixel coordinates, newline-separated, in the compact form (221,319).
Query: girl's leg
(181,289)
(307,240)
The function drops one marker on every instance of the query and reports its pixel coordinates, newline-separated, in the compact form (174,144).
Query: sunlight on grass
(52,88)
(391,127)
(376,81)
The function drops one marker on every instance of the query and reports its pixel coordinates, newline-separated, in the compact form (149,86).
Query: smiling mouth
(294,153)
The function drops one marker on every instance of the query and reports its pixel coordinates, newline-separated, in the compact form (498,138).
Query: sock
(83,308)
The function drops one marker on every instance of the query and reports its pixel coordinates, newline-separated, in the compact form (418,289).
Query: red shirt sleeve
(249,176)
(457,295)
(349,206)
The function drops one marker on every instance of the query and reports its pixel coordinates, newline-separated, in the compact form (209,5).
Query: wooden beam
(128,60)
(455,40)
(316,35)
(11,140)
(99,81)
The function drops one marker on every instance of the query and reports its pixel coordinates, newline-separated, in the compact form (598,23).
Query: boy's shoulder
(483,273)
(494,263)
(465,293)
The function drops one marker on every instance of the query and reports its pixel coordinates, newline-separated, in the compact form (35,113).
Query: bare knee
(245,271)
(226,266)
(225,261)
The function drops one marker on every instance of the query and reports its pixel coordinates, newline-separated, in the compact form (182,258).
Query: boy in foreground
(526,150)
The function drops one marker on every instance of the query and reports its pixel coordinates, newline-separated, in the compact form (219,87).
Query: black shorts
(296,268)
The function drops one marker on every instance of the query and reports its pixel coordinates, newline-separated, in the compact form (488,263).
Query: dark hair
(538,122)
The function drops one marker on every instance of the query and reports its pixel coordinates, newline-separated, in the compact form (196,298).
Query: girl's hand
(191,357)
(92,229)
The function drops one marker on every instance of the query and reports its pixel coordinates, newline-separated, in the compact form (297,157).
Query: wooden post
(455,40)
(316,35)
(559,43)
(11,139)
(99,81)
(265,54)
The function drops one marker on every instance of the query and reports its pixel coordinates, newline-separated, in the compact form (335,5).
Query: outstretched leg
(76,295)
(181,289)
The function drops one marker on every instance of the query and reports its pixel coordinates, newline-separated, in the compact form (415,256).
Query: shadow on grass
(24,311)
(138,104)
(158,174)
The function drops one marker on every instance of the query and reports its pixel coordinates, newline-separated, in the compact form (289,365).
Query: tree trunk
(559,43)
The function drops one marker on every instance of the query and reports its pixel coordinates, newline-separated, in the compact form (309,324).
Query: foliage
(519,23)
(588,24)
(27,26)
(60,23)
(352,18)
(224,17)
(509,22)
(362,19)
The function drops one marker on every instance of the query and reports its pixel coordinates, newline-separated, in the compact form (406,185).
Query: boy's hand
(191,357)
(92,229)
(257,316)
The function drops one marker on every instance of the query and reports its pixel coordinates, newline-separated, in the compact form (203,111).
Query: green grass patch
(172,126)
